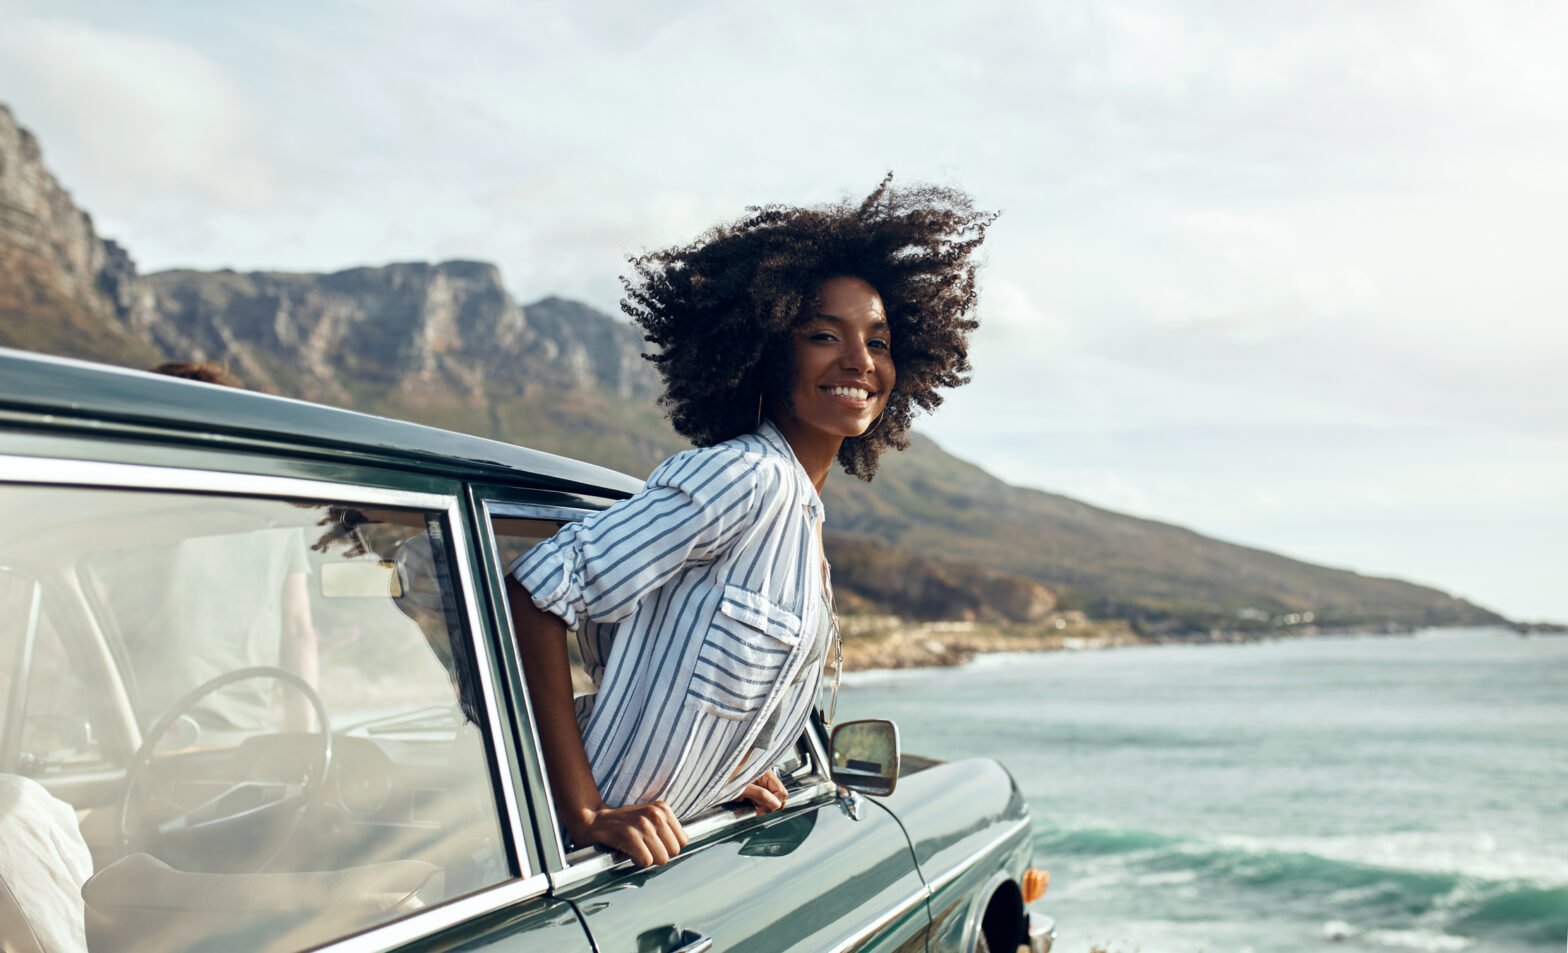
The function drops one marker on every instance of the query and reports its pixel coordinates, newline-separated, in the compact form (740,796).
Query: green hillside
(1164,578)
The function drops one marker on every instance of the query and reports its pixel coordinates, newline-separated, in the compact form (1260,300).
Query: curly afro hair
(722,308)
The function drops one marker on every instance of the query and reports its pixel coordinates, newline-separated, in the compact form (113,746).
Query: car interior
(231,722)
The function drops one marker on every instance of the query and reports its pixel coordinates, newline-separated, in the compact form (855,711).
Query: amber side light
(1035,882)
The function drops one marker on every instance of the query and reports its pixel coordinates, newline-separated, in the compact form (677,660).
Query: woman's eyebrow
(877,325)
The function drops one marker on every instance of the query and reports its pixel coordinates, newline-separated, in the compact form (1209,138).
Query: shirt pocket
(742,654)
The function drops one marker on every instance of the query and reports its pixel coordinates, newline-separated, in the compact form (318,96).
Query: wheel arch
(998,913)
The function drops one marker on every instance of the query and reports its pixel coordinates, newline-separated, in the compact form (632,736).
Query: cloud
(1256,261)
(137,119)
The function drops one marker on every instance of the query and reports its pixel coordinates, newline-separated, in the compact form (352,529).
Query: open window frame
(807,781)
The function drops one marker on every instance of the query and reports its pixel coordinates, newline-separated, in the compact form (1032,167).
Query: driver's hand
(767,793)
(647,833)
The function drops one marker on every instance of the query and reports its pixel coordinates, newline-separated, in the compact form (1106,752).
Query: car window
(300,677)
(49,731)
(514,537)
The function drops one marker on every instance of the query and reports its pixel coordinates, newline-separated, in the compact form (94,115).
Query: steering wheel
(243,801)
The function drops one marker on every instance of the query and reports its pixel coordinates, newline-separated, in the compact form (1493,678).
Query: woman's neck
(814,449)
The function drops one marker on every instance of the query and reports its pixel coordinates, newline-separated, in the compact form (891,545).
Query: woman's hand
(767,793)
(647,833)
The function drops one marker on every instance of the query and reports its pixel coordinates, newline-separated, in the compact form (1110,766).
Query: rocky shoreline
(888,642)
(881,642)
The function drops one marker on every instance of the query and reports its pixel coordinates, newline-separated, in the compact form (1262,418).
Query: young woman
(787,340)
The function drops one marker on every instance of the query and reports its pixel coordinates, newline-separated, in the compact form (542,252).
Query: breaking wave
(1428,896)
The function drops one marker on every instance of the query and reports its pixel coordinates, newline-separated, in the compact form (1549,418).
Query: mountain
(1163,578)
(446,344)
(443,344)
(63,290)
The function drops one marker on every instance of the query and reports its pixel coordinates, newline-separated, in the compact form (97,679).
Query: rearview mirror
(864,755)
(359,580)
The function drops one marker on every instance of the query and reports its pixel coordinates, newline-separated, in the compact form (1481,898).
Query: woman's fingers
(649,834)
(764,799)
(680,831)
(662,829)
(634,848)
(627,839)
(655,847)
(670,832)
(772,783)
(767,793)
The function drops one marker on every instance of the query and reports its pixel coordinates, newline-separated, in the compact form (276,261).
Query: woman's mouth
(856,397)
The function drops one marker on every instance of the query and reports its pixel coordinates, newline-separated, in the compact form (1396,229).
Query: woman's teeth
(851,392)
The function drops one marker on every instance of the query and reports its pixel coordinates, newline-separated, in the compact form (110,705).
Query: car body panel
(969,828)
(107,399)
(808,877)
(510,918)
(540,925)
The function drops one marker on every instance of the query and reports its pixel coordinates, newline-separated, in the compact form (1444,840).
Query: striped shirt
(690,600)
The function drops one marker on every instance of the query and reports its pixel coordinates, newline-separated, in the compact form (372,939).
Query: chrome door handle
(693,942)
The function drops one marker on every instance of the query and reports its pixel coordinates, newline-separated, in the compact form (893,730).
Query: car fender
(968,825)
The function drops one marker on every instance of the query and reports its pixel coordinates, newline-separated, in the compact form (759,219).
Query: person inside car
(702,605)
(192,608)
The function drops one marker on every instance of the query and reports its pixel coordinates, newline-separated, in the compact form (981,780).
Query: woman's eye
(884,345)
(824,336)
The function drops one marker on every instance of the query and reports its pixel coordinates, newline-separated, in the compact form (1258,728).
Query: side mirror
(864,756)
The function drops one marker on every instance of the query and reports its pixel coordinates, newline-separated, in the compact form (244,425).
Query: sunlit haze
(1290,274)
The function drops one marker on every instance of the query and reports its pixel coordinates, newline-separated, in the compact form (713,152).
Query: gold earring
(759,411)
(874,425)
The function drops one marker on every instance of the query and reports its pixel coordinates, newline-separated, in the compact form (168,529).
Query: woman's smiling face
(843,356)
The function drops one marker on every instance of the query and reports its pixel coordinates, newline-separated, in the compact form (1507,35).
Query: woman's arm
(693,507)
(647,833)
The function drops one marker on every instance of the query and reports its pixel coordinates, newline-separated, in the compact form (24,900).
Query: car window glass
(302,679)
(53,732)
(514,537)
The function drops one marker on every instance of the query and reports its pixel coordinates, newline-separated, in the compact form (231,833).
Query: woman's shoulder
(748,459)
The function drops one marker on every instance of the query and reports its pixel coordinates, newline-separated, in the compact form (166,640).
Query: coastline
(877,643)
(888,642)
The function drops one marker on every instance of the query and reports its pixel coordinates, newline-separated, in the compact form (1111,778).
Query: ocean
(1314,794)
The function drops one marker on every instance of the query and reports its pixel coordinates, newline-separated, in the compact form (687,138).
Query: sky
(1287,273)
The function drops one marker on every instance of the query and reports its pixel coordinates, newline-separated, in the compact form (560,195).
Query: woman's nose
(856,355)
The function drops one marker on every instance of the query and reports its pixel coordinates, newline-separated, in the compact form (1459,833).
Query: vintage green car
(258,691)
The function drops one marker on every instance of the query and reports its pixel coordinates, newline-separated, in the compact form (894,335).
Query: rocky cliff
(443,343)
(447,332)
(63,289)
(423,331)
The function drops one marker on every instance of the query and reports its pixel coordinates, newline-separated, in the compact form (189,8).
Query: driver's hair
(208,372)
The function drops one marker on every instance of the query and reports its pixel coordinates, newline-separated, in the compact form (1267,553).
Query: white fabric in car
(43,863)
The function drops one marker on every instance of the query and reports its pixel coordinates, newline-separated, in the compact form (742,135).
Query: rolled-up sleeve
(692,508)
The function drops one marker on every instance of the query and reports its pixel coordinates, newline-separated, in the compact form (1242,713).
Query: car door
(820,874)
(824,873)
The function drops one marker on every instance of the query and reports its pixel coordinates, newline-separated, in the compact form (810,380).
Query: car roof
(67,388)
